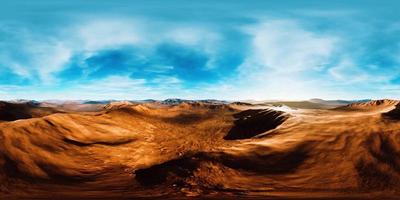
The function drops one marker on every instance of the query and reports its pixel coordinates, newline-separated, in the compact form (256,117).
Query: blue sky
(227,49)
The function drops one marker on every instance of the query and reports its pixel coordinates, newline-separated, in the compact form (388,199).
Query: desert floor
(197,150)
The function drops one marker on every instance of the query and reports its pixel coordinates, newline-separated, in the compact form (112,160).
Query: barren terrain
(200,149)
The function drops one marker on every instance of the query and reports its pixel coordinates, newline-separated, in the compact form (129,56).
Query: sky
(225,49)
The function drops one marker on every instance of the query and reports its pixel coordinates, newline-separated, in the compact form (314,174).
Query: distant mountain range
(337,102)
(91,105)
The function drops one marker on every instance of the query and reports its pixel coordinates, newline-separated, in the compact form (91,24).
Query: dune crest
(370,105)
(118,104)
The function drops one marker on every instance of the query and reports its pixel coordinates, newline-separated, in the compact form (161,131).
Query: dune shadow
(393,114)
(186,118)
(171,171)
(382,169)
(274,162)
(89,143)
(250,123)
(17,111)
(177,170)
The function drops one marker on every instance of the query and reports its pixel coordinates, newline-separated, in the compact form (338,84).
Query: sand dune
(370,105)
(25,110)
(219,151)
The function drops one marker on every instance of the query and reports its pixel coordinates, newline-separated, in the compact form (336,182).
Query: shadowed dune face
(163,151)
(15,111)
(381,169)
(394,113)
(250,123)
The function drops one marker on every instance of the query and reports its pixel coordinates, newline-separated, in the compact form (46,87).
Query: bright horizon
(226,50)
(227,100)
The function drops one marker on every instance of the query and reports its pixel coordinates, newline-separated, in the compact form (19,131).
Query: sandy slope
(197,149)
(14,111)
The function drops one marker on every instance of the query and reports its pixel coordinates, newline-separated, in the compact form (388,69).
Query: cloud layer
(300,54)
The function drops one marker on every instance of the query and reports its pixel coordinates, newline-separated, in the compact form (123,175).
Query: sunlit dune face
(152,150)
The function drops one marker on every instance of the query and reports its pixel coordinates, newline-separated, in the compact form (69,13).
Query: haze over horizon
(228,50)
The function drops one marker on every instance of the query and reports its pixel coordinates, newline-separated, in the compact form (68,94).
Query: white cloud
(18,69)
(50,59)
(196,37)
(28,54)
(44,55)
(114,83)
(98,34)
(285,46)
(169,80)
(113,87)
(123,87)
(349,72)
(191,36)
(282,53)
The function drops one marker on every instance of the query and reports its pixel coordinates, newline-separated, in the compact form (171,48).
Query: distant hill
(370,105)
(179,101)
(306,104)
(337,102)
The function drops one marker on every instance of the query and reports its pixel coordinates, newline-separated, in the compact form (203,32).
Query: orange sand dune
(371,105)
(198,149)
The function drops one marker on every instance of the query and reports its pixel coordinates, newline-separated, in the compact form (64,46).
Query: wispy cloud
(298,53)
(105,33)
(283,45)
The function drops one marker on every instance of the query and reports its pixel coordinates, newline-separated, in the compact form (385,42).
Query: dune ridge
(370,105)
